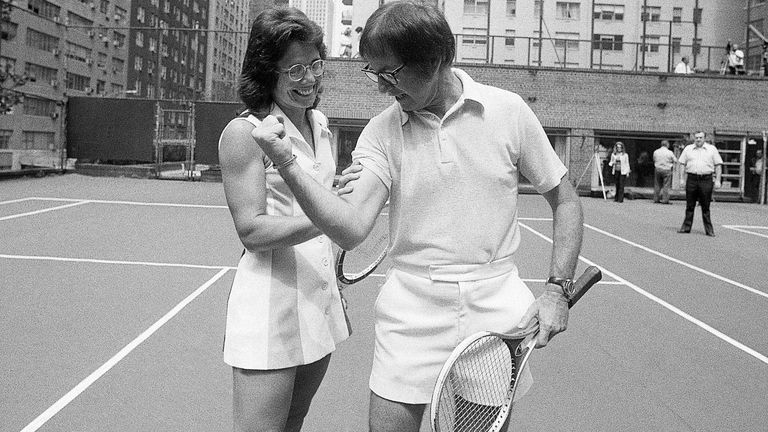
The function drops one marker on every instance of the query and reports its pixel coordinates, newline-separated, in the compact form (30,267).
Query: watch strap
(566,285)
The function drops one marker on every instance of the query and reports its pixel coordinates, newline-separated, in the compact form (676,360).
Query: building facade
(49,50)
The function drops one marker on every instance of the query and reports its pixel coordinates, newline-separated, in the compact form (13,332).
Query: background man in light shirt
(700,159)
(663,161)
(682,67)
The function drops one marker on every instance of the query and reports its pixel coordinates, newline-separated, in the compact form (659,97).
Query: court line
(101,261)
(103,369)
(15,201)
(667,257)
(139,203)
(43,210)
(740,229)
(706,327)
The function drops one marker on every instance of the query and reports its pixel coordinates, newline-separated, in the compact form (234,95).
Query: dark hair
(414,31)
(272,32)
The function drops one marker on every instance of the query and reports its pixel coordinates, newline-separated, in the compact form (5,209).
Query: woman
(620,163)
(285,314)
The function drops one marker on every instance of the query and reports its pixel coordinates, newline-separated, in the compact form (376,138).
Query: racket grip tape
(591,276)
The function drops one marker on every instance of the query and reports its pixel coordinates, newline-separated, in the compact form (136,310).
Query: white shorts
(420,320)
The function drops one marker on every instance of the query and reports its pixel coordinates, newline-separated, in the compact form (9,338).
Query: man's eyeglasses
(389,77)
(298,71)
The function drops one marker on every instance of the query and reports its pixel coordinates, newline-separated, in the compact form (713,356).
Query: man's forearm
(568,229)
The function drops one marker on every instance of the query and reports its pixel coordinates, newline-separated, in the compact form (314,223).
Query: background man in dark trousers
(701,160)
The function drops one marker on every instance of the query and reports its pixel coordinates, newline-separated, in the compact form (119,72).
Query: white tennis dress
(284,307)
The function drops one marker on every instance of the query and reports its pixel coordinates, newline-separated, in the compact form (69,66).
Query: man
(736,60)
(447,154)
(700,160)
(663,161)
(682,67)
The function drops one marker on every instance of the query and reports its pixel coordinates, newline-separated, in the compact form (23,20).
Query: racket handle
(591,276)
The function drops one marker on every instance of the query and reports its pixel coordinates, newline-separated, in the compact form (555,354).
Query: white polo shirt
(453,181)
(700,160)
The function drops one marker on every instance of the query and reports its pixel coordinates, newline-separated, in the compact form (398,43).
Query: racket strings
(478,387)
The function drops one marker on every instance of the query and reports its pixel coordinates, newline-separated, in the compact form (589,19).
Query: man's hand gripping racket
(477,384)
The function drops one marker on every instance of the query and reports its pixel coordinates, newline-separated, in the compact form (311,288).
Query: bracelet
(290,160)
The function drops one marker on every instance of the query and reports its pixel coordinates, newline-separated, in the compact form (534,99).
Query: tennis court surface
(113,295)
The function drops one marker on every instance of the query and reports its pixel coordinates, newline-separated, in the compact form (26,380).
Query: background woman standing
(620,163)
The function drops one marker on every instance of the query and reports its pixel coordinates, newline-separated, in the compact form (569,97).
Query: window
(79,23)
(38,107)
(44,8)
(511,8)
(139,39)
(608,12)
(138,63)
(77,82)
(78,52)
(8,30)
(652,13)
(103,6)
(569,11)
(652,43)
(509,39)
(5,138)
(607,42)
(569,41)
(475,7)
(677,14)
(8,64)
(37,140)
(474,36)
(41,41)
(41,73)
(538,5)
(696,49)
(676,42)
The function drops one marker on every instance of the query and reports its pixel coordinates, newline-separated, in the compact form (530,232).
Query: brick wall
(596,100)
(585,101)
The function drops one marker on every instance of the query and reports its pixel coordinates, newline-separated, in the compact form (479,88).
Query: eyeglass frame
(370,73)
(304,69)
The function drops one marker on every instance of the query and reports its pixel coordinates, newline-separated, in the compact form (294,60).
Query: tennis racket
(476,386)
(353,266)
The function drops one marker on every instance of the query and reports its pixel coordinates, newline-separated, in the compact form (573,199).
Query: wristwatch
(565,284)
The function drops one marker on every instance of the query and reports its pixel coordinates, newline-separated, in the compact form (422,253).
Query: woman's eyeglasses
(389,77)
(298,71)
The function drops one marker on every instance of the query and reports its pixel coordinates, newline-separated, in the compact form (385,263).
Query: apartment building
(49,50)
(640,35)
(227,42)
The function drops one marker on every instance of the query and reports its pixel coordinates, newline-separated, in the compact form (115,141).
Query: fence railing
(603,54)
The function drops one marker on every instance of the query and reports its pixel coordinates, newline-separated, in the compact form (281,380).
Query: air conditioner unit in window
(116,43)
(89,62)
(88,90)
(91,33)
(55,52)
(54,83)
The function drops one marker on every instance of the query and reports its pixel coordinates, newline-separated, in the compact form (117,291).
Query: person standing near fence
(284,314)
(701,160)
(620,169)
(663,162)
